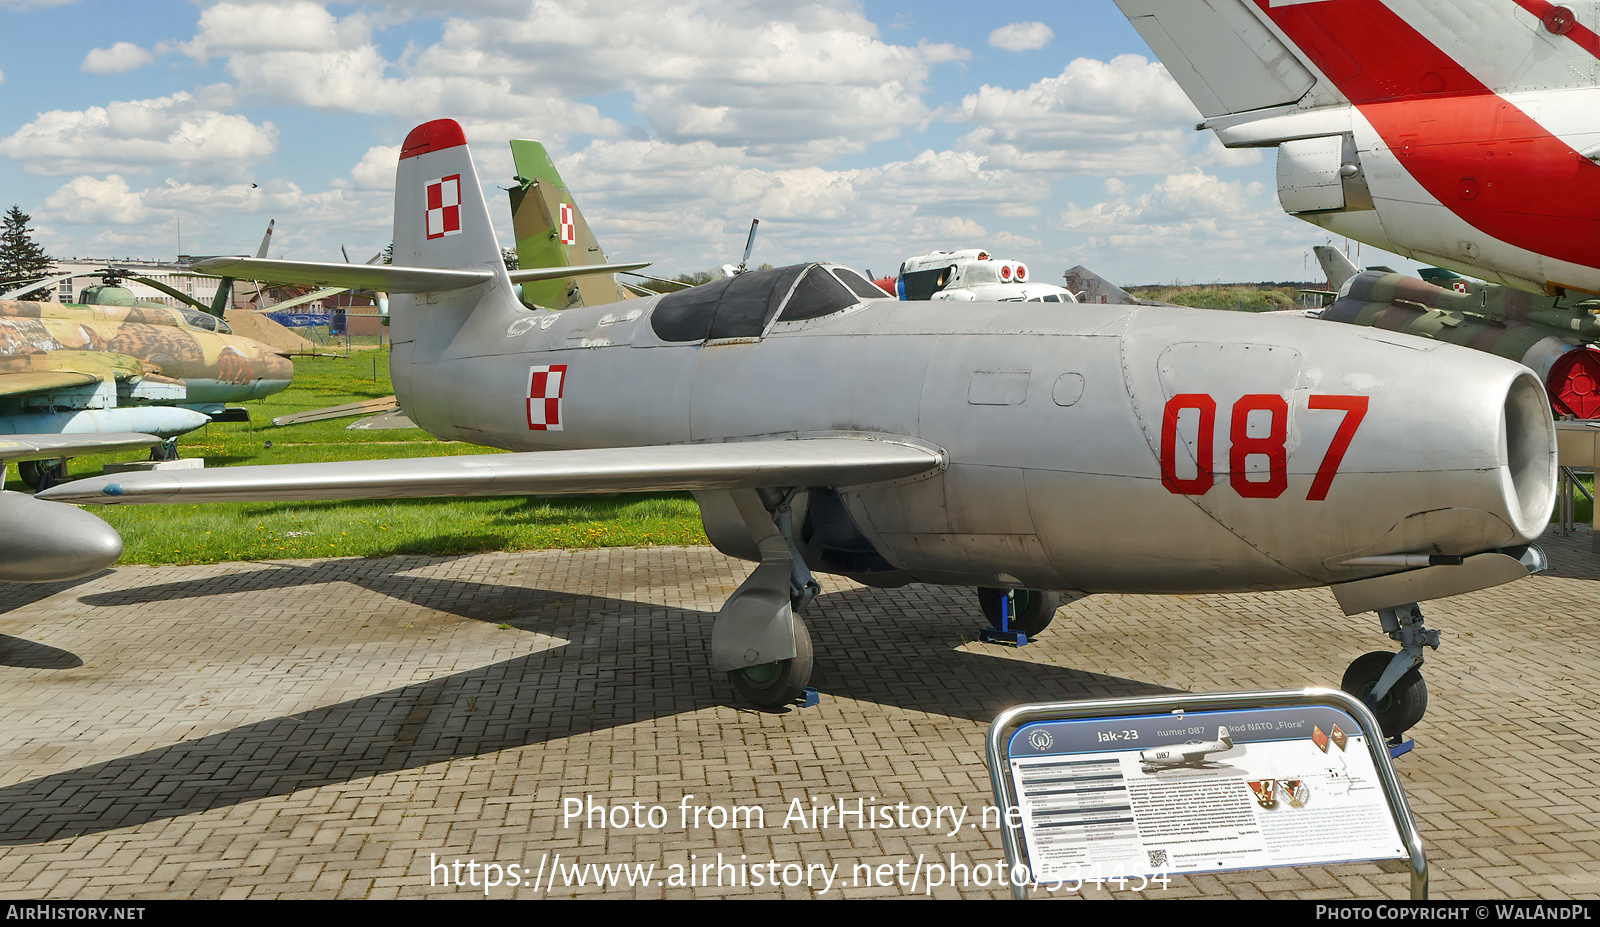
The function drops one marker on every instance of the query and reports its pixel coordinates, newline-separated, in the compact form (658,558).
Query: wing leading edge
(832,461)
(387,277)
(45,447)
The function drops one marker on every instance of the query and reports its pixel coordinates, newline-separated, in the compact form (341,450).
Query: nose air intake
(1530,455)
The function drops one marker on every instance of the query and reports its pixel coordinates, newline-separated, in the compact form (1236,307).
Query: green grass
(159,534)
(1236,298)
(1582,508)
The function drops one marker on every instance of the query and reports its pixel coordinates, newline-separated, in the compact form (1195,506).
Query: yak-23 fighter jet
(824,427)
(1191,754)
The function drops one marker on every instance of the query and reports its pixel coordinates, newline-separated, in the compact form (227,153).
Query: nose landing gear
(1391,683)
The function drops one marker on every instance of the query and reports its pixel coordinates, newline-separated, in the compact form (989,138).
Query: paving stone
(354,728)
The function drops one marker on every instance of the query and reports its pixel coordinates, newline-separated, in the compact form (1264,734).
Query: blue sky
(862,132)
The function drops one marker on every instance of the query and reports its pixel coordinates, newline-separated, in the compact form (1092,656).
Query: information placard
(1217,784)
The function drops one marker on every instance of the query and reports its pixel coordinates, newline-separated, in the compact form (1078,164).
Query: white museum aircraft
(1462,133)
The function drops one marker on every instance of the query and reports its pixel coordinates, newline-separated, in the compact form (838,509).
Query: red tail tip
(433,136)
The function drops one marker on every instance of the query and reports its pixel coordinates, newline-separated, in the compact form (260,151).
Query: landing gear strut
(759,639)
(42,474)
(1391,683)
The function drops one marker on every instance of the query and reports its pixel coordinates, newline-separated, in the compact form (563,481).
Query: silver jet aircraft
(1192,753)
(1004,446)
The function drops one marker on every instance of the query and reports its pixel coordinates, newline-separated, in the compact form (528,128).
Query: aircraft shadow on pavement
(625,662)
(18,595)
(21,653)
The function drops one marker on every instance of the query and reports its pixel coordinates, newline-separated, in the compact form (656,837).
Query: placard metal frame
(1011,719)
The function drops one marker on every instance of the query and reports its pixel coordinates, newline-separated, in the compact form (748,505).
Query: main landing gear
(1031,612)
(42,474)
(1391,683)
(759,639)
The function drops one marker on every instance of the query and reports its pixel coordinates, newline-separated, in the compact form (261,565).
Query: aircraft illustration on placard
(824,427)
(1462,133)
(1192,753)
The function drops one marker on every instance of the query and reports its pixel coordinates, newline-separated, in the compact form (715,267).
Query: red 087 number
(1273,445)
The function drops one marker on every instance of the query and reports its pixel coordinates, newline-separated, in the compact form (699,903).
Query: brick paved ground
(328,728)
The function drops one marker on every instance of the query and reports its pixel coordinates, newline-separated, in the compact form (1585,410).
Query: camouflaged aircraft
(73,369)
(1551,335)
(115,363)
(824,426)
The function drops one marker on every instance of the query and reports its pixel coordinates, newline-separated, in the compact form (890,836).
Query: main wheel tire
(778,684)
(1404,704)
(42,474)
(1034,609)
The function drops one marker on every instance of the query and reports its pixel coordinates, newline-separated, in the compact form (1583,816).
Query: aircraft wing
(386,277)
(33,381)
(31,373)
(46,447)
(310,297)
(734,465)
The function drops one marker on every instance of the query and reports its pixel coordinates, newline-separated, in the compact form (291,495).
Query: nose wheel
(1398,709)
(1391,683)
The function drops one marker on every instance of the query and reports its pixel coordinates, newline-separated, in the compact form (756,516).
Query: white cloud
(90,213)
(118,59)
(96,201)
(376,169)
(1190,219)
(788,85)
(947,228)
(1215,153)
(139,135)
(1020,37)
(1122,116)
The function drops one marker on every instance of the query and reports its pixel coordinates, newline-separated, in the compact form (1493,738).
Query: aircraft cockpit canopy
(742,306)
(206,322)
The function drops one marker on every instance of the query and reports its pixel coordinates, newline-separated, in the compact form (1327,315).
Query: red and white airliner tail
(1464,133)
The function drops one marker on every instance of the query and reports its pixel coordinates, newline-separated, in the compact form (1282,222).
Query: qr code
(1158,858)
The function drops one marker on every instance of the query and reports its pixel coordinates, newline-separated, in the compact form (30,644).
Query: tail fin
(1334,263)
(441,220)
(1224,737)
(441,224)
(1232,57)
(224,297)
(551,232)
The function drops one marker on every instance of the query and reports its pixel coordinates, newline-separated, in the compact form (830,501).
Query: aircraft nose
(1326,448)
(276,367)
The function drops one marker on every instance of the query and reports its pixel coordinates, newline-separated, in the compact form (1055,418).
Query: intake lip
(1528,467)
